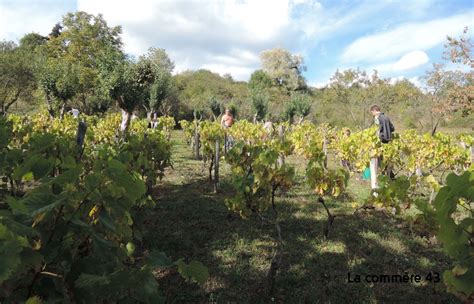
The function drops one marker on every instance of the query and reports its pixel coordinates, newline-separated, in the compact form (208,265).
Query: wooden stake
(281,134)
(216,166)
(374,168)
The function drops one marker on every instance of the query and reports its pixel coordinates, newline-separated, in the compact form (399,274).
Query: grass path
(191,222)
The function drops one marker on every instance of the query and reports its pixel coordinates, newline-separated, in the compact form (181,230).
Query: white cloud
(411,60)
(224,36)
(225,33)
(405,38)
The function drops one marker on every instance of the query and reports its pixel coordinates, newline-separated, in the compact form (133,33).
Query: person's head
(227,112)
(375,110)
(347,132)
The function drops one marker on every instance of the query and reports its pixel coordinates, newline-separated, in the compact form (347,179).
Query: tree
(353,91)
(17,79)
(128,90)
(299,107)
(451,91)
(32,41)
(461,96)
(349,88)
(408,101)
(284,68)
(459,50)
(59,80)
(196,90)
(259,101)
(80,41)
(156,67)
(216,107)
(259,81)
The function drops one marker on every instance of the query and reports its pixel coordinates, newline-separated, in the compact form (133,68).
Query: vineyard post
(216,166)
(196,140)
(281,135)
(225,142)
(472,154)
(374,164)
(80,136)
(325,150)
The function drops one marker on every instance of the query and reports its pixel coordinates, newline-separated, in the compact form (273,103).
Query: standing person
(227,121)
(385,131)
(386,127)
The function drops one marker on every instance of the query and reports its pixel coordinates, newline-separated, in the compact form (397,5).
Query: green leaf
(12,246)
(158,259)
(130,248)
(462,283)
(33,300)
(69,162)
(106,220)
(40,167)
(459,270)
(92,181)
(68,176)
(432,182)
(17,206)
(135,188)
(195,271)
(50,207)
(27,176)
(81,223)
(90,280)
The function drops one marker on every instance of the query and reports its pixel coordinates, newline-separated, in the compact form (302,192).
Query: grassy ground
(193,223)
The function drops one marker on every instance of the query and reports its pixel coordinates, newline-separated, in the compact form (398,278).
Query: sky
(398,38)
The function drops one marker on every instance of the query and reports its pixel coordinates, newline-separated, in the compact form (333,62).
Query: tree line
(82,64)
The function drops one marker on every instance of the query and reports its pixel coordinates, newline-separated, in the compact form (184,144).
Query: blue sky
(398,38)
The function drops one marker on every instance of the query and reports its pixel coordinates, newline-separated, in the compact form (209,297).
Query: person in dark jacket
(386,129)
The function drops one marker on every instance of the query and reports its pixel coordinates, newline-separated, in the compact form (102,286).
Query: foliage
(308,140)
(66,220)
(209,133)
(284,68)
(166,124)
(17,79)
(157,67)
(259,104)
(451,91)
(82,43)
(247,132)
(197,90)
(259,81)
(453,218)
(359,147)
(188,128)
(256,176)
(299,106)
